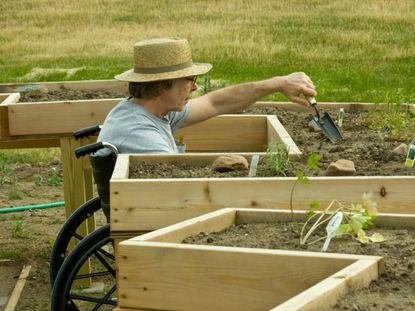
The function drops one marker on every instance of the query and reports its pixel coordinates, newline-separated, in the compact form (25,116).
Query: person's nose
(194,87)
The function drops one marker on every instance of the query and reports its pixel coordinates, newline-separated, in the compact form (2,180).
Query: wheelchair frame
(65,266)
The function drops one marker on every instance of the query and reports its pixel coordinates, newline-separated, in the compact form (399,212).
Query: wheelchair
(72,288)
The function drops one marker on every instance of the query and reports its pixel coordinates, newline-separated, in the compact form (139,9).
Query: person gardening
(160,87)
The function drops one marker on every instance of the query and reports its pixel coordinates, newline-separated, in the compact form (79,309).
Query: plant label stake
(341,117)
(253,166)
(331,228)
(410,157)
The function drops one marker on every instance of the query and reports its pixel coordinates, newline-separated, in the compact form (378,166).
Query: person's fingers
(299,100)
(308,91)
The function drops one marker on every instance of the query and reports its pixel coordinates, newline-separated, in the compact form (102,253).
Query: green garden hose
(30,207)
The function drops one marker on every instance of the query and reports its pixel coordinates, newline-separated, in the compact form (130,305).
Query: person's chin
(180,108)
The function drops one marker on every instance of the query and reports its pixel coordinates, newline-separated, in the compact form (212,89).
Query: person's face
(181,92)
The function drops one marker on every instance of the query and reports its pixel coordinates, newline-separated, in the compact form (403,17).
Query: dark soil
(66,94)
(395,290)
(370,150)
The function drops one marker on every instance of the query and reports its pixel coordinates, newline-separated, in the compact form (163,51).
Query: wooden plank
(9,98)
(78,188)
(277,132)
(325,294)
(4,121)
(29,143)
(14,297)
(136,203)
(230,133)
(246,215)
(348,106)
(229,278)
(60,117)
(122,166)
(212,222)
(219,133)
(5,100)
(154,265)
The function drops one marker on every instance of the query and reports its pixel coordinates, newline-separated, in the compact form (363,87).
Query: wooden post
(77,190)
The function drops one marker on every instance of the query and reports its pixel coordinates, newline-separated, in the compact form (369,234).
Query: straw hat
(161,59)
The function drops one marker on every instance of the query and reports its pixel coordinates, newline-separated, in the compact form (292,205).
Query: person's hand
(296,85)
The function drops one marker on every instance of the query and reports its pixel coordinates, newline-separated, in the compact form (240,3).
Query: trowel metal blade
(330,128)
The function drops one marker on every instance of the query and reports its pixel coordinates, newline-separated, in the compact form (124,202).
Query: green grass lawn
(354,50)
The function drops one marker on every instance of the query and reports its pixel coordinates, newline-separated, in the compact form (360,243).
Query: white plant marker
(331,228)
(253,165)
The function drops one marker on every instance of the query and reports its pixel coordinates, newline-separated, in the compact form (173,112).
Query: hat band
(163,69)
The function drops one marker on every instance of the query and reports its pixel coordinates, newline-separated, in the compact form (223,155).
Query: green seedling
(277,162)
(53,179)
(20,230)
(392,120)
(11,254)
(15,195)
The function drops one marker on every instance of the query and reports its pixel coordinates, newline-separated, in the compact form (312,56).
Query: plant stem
(291,199)
(318,222)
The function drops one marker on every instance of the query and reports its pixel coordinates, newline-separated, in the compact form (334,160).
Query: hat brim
(195,70)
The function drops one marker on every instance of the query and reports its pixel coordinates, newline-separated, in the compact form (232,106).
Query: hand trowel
(325,123)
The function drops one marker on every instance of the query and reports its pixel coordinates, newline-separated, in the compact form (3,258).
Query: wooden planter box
(156,271)
(150,204)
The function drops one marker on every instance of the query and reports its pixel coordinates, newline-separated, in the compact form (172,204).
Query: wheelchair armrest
(88,149)
(86,132)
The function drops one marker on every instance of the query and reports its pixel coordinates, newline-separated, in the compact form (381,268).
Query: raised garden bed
(206,277)
(140,204)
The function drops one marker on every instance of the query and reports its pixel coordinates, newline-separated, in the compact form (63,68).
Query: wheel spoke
(106,254)
(76,235)
(105,263)
(91,275)
(92,299)
(108,295)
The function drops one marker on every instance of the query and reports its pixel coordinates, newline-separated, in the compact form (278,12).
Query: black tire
(66,295)
(68,231)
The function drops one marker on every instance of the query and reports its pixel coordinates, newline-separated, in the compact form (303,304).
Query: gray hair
(149,90)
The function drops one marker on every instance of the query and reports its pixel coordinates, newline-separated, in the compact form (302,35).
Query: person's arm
(238,97)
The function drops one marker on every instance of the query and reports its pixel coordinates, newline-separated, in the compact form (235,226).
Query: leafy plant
(15,195)
(398,123)
(5,180)
(53,179)
(356,219)
(278,162)
(11,254)
(20,230)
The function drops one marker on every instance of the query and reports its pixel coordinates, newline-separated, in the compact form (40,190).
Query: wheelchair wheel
(68,232)
(69,292)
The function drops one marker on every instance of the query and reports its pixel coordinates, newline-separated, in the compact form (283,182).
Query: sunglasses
(193,79)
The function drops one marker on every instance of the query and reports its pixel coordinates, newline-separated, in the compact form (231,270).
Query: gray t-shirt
(133,129)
